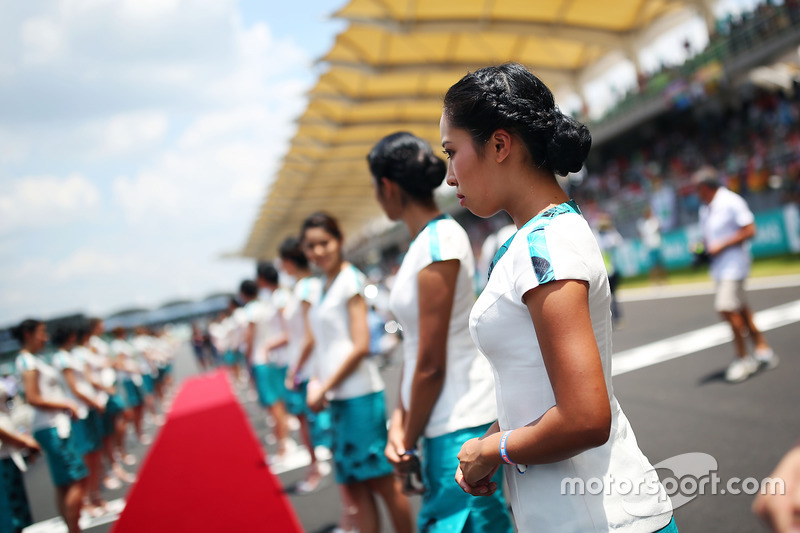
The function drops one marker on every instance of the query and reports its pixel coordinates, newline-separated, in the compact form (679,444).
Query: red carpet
(206,471)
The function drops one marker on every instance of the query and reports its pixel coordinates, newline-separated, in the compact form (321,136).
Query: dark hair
(27,326)
(290,250)
(408,161)
(62,334)
(119,331)
(322,220)
(249,288)
(267,272)
(92,323)
(83,332)
(509,96)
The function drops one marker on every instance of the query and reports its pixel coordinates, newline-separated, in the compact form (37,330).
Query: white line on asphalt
(699,339)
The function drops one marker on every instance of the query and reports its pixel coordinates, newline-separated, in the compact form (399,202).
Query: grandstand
(734,105)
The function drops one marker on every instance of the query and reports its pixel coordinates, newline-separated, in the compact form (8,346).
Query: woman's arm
(69,378)
(307,348)
(436,286)
(359,333)
(581,417)
(30,378)
(282,338)
(19,440)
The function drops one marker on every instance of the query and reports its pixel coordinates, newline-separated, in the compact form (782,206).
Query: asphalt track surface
(681,405)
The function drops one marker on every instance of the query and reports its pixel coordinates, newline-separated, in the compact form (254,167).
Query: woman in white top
(52,425)
(304,294)
(446,392)
(349,380)
(123,357)
(543,319)
(85,429)
(15,512)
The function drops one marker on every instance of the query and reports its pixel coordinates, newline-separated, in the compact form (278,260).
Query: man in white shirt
(727,224)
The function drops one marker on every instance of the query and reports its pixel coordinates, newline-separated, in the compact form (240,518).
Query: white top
(279,356)
(650,232)
(101,360)
(237,324)
(144,354)
(63,360)
(330,324)
(123,350)
(467,396)
(557,245)
(96,367)
(719,220)
(218,331)
(51,388)
(261,313)
(305,290)
(6,450)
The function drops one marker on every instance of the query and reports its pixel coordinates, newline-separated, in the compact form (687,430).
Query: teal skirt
(270,383)
(358,427)
(15,513)
(445,507)
(131,394)
(148,384)
(296,400)
(65,462)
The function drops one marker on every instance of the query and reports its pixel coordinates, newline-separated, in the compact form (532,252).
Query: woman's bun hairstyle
(28,325)
(510,97)
(408,161)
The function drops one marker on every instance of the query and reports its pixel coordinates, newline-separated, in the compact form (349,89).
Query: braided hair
(510,97)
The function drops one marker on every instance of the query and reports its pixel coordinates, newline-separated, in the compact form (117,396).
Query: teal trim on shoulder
(433,242)
(24,362)
(542,219)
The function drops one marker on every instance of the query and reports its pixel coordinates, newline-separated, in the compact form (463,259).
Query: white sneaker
(741,369)
(766,358)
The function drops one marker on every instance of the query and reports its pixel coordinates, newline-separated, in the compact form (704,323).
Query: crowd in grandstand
(753,140)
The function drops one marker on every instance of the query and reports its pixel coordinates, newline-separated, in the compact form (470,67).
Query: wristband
(504,453)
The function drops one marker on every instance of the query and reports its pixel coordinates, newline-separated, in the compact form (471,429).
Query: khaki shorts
(730,295)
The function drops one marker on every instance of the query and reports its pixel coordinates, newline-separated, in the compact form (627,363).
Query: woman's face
(37,339)
(322,249)
(466,171)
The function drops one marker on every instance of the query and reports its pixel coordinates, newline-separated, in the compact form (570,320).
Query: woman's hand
(395,449)
(290,375)
(474,470)
(486,487)
(315,398)
(29,443)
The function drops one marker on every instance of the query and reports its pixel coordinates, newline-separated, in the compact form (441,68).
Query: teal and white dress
(466,404)
(357,405)
(558,245)
(53,428)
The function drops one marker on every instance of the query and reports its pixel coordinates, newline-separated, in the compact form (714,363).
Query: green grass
(772,266)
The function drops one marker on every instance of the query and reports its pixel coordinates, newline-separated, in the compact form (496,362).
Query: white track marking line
(698,340)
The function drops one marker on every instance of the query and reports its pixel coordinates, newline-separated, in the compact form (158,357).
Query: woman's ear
(500,144)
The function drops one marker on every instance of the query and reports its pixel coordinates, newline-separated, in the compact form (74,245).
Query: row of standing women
(540,403)
(83,401)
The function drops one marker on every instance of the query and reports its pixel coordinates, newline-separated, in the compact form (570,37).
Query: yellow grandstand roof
(389,70)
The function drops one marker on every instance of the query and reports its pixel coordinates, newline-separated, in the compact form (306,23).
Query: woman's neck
(416,217)
(334,270)
(537,193)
